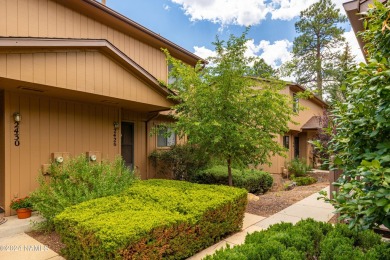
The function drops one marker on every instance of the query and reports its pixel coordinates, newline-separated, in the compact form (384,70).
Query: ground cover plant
(298,167)
(254,181)
(153,219)
(308,239)
(77,180)
(302,181)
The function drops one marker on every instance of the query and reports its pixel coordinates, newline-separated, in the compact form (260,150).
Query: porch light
(17,117)
(116,125)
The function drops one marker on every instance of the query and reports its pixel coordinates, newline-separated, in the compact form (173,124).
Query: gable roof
(312,124)
(106,15)
(102,45)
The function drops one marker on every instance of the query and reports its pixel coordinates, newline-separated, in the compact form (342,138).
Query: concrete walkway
(15,244)
(309,207)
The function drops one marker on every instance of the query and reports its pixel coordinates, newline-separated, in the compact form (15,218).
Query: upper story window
(166,137)
(286,141)
(295,102)
(170,78)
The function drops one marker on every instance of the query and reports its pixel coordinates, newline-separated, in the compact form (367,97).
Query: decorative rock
(252,197)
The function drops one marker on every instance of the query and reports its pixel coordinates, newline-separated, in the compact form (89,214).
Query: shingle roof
(312,124)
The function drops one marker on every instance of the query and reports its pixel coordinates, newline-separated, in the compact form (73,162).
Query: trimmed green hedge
(308,239)
(253,181)
(303,181)
(153,219)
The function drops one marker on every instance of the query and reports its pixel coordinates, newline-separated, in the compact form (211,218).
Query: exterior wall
(51,125)
(2,150)
(47,18)
(84,71)
(310,109)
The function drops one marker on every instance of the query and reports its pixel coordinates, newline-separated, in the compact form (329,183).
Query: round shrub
(253,181)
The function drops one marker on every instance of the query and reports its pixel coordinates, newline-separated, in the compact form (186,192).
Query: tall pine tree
(314,48)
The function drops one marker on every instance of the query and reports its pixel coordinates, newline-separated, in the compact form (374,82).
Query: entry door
(296,147)
(127,144)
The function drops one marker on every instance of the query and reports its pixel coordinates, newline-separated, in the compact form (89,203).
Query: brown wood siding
(2,152)
(51,125)
(85,71)
(47,18)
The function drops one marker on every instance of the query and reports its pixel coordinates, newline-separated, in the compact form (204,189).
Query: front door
(296,147)
(127,144)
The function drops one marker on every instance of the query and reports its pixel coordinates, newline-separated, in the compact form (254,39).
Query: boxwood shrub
(253,181)
(153,219)
(303,181)
(308,239)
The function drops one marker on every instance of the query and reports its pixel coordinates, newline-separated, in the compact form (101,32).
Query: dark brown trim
(104,46)
(104,14)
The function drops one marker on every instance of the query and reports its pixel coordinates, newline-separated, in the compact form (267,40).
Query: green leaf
(382,202)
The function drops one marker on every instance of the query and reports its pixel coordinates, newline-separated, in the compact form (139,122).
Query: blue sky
(194,24)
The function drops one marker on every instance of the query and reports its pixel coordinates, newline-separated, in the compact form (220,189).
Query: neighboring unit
(77,77)
(297,139)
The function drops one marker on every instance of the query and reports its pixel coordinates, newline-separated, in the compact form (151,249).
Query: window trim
(167,146)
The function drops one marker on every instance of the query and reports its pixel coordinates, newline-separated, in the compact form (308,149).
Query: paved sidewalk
(309,207)
(15,244)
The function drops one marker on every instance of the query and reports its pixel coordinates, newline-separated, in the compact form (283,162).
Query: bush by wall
(299,167)
(253,181)
(303,181)
(308,239)
(182,161)
(77,180)
(154,219)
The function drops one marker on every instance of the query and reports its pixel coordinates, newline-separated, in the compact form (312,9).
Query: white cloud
(274,54)
(166,7)
(225,12)
(245,12)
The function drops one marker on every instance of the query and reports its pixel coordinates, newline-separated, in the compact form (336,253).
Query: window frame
(159,135)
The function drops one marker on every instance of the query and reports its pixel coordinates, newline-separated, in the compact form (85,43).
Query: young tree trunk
(230,178)
(319,70)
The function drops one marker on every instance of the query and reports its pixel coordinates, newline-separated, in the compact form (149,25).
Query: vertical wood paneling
(3,17)
(92,133)
(3,65)
(39,68)
(85,127)
(71,70)
(13,61)
(61,25)
(25,137)
(83,25)
(34,141)
(78,129)
(61,72)
(12,18)
(106,134)
(52,19)
(54,126)
(27,67)
(90,73)
(76,25)
(69,23)
(22,16)
(42,19)
(106,77)
(113,80)
(14,151)
(62,125)
(44,127)
(70,128)
(7,150)
(90,28)
(98,69)
(51,69)
(81,71)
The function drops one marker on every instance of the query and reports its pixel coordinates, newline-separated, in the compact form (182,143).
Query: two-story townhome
(77,78)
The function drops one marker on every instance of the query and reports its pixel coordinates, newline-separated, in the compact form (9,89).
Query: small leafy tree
(262,70)
(362,144)
(222,111)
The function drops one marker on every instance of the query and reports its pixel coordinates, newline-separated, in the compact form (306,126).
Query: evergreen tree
(262,70)
(314,48)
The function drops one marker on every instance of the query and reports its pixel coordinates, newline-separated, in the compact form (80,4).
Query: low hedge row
(153,219)
(303,181)
(308,239)
(253,181)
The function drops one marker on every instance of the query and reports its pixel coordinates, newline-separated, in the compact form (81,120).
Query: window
(286,141)
(171,79)
(166,137)
(295,102)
